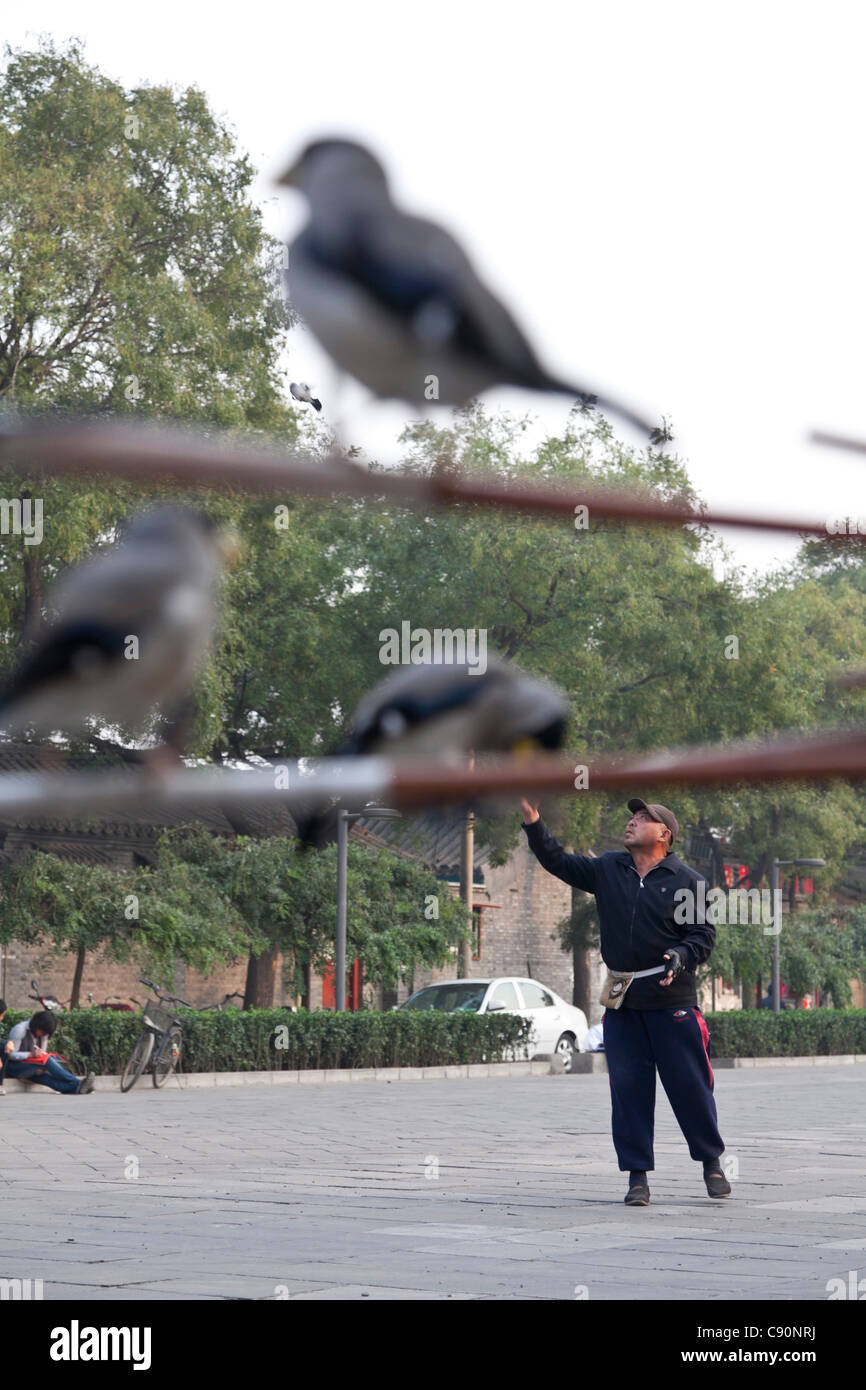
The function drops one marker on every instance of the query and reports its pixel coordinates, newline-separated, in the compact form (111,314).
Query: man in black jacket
(652,923)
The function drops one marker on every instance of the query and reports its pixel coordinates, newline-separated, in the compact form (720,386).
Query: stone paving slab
(430,1191)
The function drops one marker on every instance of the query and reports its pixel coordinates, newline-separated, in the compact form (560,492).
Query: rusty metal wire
(838,441)
(410,784)
(148,453)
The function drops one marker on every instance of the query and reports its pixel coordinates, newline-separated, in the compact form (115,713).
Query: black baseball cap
(657,812)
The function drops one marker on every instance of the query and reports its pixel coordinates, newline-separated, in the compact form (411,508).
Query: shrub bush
(275,1039)
(790,1033)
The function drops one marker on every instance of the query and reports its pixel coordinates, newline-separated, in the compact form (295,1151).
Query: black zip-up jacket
(636,916)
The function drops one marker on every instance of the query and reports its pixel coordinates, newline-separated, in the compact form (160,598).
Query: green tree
(135,279)
(822,947)
(286,900)
(151,917)
(136,274)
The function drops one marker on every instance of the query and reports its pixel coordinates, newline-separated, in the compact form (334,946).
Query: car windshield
(466,996)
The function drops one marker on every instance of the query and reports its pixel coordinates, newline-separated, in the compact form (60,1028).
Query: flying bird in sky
(449,709)
(394,299)
(301,392)
(129,630)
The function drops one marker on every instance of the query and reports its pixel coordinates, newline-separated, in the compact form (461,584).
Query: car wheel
(565,1049)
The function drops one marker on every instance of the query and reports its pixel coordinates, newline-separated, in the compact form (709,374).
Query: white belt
(656,970)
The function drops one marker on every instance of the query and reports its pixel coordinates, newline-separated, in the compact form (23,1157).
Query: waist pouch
(618,981)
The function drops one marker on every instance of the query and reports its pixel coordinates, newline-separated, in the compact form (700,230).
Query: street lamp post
(343,819)
(777,925)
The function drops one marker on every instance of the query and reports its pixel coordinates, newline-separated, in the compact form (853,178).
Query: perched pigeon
(301,392)
(443,709)
(394,299)
(130,628)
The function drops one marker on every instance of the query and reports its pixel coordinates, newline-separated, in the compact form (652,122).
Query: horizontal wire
(140,453)
(411,784)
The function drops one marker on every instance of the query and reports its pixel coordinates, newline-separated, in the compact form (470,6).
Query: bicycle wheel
(137,1062)
(167,1058)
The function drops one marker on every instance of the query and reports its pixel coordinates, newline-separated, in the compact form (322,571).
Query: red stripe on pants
(705,1034)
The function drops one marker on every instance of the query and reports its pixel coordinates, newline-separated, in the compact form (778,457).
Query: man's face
(642,832)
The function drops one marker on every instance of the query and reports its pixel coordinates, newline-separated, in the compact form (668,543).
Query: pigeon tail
(624,412)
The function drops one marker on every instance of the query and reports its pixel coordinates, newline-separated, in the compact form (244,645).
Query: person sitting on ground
(27,1060)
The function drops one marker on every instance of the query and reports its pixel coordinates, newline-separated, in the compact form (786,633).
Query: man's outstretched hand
(530,811)
(674,968)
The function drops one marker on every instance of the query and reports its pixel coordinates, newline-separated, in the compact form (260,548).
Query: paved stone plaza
(499,1188)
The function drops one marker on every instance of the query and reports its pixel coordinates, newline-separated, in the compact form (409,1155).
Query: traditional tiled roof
(434,839)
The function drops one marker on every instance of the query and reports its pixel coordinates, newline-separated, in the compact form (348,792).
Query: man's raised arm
(576,869)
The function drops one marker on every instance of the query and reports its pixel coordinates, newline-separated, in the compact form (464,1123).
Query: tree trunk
(581,989)
(77,977)
(261,979)
(250,982)
(32,591)
(262,969)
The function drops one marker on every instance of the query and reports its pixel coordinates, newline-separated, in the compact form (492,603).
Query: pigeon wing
(66,652)
(129,587)
(416,269)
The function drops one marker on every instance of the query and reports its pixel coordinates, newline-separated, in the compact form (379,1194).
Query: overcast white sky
(668,194)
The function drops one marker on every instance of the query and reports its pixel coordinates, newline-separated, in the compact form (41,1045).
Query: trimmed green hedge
(790,1033)
(274,1039)
(239,1040)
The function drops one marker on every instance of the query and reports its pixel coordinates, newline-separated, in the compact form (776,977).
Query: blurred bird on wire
(448,710)
(301,392)
(395,300)
(129,630)
(661,435)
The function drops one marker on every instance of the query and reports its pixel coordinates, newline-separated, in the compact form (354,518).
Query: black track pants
(676,1041)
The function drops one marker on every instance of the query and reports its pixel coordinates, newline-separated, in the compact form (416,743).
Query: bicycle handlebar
(165,998)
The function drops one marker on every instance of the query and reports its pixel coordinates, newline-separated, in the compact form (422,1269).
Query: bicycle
(162,1030)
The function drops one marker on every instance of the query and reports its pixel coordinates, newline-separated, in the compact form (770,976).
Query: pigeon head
(180,525)
(533,714)
(326,164)
(157,523)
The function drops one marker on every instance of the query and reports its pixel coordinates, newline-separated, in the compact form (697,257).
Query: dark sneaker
(638,1195)
(87,1084)
(717,1185)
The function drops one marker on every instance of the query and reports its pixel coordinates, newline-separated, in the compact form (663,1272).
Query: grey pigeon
(301,392)
(394,299)
(130,628)
(449,709)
